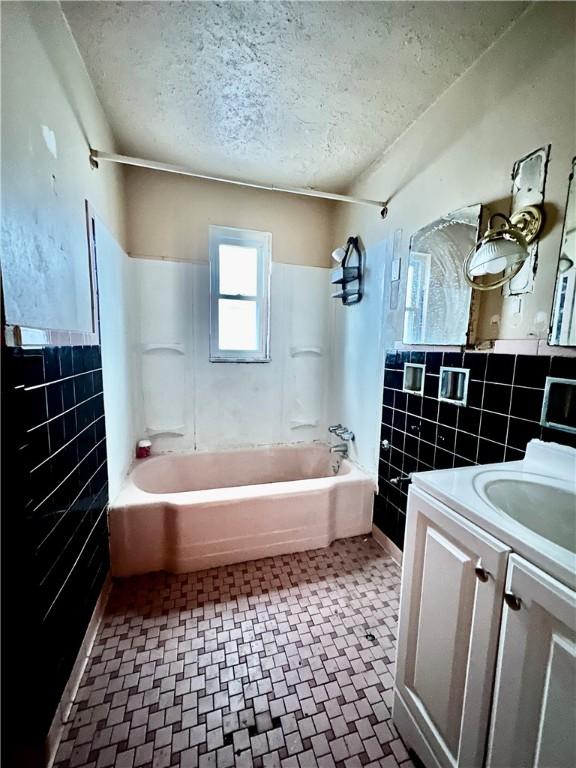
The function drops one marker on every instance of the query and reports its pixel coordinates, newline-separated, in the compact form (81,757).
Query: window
(239,295)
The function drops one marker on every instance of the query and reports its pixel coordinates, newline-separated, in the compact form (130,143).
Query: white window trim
(250,238)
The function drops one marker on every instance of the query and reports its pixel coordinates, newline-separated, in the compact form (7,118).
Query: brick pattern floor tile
(285,662)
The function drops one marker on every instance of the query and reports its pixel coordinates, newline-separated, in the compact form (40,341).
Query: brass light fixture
(503,248)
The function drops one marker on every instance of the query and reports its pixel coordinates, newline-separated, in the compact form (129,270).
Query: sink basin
(529,505)
(546,507)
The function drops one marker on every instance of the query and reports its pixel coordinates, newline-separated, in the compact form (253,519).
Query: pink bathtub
(186,513)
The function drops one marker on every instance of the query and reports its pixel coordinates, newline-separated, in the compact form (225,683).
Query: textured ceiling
(306,93)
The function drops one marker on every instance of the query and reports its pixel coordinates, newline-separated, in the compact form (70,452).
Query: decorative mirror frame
(470,311)
(557,286)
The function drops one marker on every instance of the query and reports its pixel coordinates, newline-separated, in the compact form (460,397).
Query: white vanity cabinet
(450,608)
(534,709)
(486,661)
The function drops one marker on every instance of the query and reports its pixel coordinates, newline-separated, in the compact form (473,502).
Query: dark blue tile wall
(54,528)
(502,414)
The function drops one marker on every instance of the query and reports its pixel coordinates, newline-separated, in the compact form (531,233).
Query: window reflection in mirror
(563,325)
(437,296)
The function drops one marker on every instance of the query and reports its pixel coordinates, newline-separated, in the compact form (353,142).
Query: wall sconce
(504,248)
(340,254)
(565,263)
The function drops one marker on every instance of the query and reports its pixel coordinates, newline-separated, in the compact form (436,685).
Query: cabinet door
(448,631)
(534,713)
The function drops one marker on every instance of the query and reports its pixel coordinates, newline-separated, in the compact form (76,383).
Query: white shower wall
(357,361)
(116,299)
(187,403)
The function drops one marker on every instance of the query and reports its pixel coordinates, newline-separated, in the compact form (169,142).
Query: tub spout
(341,448)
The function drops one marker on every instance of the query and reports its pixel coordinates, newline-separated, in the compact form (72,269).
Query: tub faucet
(343,432)
(341,448)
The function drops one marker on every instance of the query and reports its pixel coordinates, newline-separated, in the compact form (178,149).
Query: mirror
(437,296)
(563,324)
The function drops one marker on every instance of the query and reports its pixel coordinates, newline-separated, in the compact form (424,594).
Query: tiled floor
(285,662)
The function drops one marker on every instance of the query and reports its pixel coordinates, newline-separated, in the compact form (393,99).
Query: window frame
(246,238)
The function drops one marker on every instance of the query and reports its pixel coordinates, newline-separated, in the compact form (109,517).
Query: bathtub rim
(131,495)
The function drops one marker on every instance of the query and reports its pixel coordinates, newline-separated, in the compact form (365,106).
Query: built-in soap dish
(453,385)
(177,431)
(559,406)
(303,423)
(306,352)
(413,381)
(178,348)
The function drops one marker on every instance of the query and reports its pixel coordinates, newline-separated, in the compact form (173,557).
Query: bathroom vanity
(486,664)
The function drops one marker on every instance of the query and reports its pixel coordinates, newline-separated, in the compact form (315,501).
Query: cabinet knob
(481,574)
(513,602)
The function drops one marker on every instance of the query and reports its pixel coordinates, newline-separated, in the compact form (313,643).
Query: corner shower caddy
(349,276)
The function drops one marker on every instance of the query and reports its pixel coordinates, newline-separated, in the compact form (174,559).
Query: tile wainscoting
(505,395)
(55,539)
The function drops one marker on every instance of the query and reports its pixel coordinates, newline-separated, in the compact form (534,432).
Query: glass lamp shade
(338,255)
(495,255)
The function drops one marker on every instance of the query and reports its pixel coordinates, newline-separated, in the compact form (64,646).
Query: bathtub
(185,513)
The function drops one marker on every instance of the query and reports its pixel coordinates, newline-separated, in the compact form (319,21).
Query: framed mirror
(438,298)
(563,318)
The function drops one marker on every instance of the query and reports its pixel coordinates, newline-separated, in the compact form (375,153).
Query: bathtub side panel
(137,539)
(212,534)
(352,503)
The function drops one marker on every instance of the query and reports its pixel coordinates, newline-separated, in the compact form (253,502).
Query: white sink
(529,505)
(545,505)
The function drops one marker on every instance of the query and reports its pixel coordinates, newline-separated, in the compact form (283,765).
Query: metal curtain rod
(96,155)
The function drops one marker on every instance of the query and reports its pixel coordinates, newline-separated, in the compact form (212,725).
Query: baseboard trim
(65,705)
(387,544)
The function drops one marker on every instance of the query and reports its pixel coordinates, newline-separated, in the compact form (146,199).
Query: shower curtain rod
(96,155)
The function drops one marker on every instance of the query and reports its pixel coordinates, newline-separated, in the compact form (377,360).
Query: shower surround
(186,513)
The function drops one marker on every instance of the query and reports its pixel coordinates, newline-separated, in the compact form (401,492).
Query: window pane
(237,325)
(238,270)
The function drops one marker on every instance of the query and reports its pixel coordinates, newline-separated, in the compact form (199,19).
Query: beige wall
(168,217)
(517,97)
(50,118)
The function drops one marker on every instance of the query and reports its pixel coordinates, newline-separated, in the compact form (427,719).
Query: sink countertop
(457,488)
